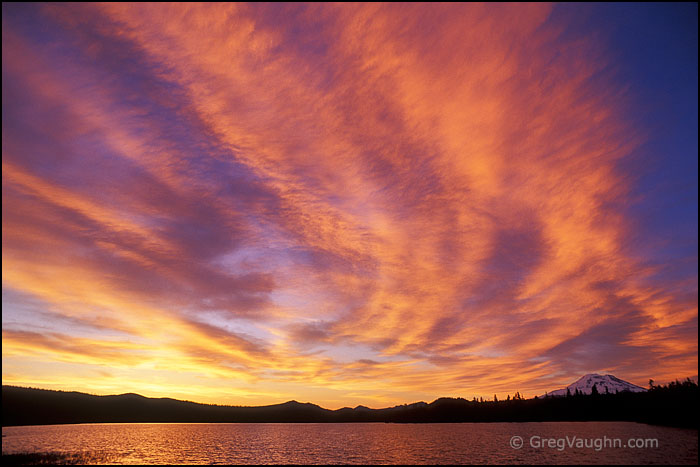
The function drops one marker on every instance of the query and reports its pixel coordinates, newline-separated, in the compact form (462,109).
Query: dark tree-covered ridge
(675,404)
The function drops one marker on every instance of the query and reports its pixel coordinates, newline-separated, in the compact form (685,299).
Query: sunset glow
(339,203)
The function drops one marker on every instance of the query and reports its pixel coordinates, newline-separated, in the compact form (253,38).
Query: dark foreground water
(354,443)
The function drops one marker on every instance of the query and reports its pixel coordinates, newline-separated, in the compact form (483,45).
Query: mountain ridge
(604,384)
(584,388)
(666,405)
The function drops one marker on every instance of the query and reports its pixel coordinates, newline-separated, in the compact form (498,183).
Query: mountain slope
(603,383)
(673,405)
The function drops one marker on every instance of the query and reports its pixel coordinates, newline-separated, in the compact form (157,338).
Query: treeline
(674,404)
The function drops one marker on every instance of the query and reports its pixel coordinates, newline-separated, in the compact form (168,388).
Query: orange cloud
(370,202)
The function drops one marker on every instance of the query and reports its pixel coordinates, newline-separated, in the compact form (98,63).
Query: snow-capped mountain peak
(604,384)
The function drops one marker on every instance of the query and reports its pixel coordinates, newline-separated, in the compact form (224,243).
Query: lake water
(359,443)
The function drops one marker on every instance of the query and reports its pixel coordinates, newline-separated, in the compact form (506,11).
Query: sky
(348,204)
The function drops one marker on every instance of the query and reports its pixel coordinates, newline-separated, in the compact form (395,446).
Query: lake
(358,443)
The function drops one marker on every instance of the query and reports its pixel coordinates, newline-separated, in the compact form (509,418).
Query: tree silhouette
(672,404)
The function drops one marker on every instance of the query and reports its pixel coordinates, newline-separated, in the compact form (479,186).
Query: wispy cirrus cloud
(358,203)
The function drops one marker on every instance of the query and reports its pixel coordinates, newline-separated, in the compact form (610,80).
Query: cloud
(251,191)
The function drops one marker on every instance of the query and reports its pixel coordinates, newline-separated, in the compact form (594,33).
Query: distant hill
(673,405)
(605,384)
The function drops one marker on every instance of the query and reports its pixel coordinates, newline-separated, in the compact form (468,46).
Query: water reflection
(342,443)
